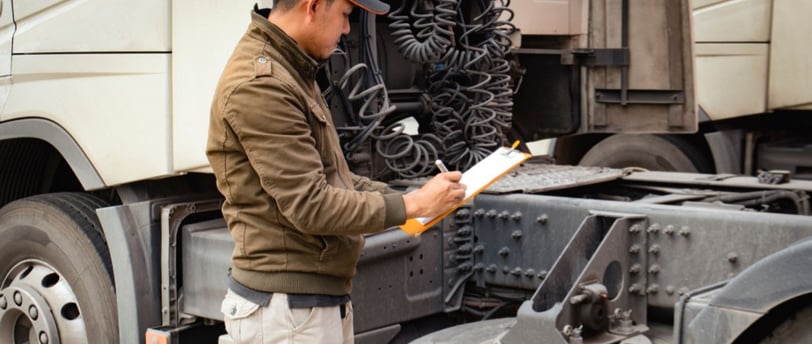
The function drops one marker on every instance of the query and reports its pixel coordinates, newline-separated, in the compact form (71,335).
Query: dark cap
(372,6)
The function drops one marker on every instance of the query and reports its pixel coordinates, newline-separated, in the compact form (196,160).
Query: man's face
(330,22)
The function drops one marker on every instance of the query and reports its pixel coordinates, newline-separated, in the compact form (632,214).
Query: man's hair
(284,5)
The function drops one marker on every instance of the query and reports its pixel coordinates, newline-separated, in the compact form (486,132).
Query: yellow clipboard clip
(512,148)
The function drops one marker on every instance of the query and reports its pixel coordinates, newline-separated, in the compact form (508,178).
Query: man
(294,209)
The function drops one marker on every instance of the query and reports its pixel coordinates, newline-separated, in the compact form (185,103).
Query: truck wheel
(652,152)
(56,282)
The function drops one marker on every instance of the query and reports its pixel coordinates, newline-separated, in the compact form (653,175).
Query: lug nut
(18,298)
(43,338)
(3,302)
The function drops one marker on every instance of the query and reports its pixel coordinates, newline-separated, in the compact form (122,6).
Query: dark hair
(285,5)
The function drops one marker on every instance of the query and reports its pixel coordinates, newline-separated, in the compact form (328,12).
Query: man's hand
(436,197)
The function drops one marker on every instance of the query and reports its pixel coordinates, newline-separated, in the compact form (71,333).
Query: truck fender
(770,282)
(57,137)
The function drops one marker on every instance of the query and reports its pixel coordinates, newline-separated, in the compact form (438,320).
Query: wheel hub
(37,305)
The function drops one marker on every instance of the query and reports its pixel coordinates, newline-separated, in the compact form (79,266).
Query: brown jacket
(293,207)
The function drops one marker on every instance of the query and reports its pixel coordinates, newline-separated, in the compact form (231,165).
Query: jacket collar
(284,45)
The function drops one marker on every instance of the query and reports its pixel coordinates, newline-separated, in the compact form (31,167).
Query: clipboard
(476,179)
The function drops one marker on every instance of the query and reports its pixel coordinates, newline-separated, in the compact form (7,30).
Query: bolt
(504,251)
(635,249)
(517,216)
(654,249)
(464,231)
(634,289)
(479,212)
(529,273)
(634,269)
(505,269)
(669,230)
(504,215)
(542,274)
(491,268)
(462,213)
(479,248)
(542,219)
(732,257)
(634,229)
(653,289)
(669,290)
(43,338)
(491,213)
(479,267)
(654,269)
(654,228)
(517,234)
(464,267)
(685,231)
(18,298)
(516,272)
(3,302)
(464,249)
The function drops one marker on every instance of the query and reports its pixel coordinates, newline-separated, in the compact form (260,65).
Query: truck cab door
(615,66)
(6,33)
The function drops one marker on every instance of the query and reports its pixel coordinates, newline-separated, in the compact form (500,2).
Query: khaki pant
(247,322)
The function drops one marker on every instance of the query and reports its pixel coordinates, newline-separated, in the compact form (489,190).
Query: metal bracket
(662,97)
(597,57)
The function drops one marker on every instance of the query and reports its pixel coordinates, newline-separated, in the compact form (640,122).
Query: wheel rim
(38,305)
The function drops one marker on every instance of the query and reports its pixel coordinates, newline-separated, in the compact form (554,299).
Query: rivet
(18,298)
(669,290)
(517,234)
(654,269)
(32,312)
(530,273)
(669,230)
(654,228)
(504,215)
(517,216)
(635,249)
(634,229)
(479,212)
(634,288)
(505,269)
(542,274)
(542,219)
(491,268)
(479,267)
(491,213)
(479,248)
(634,269)
(504,251)
(653,289)
(732,257)
(462,213)
(685,231)
(654,249)
(516,272)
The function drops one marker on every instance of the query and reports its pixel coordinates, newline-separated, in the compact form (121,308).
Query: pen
(441,166)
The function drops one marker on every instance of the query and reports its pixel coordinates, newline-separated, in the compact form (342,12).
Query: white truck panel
(202,45)
(731,78)
(791,55)
(562,17)
(91,25)
(6,32)
(732,21)
(124,130)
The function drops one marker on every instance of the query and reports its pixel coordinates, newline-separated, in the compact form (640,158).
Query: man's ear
(311,6)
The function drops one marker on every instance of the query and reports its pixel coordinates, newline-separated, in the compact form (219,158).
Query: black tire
(651,152)
(53,257)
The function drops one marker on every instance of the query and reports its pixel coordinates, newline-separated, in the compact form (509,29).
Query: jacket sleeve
(271,124)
